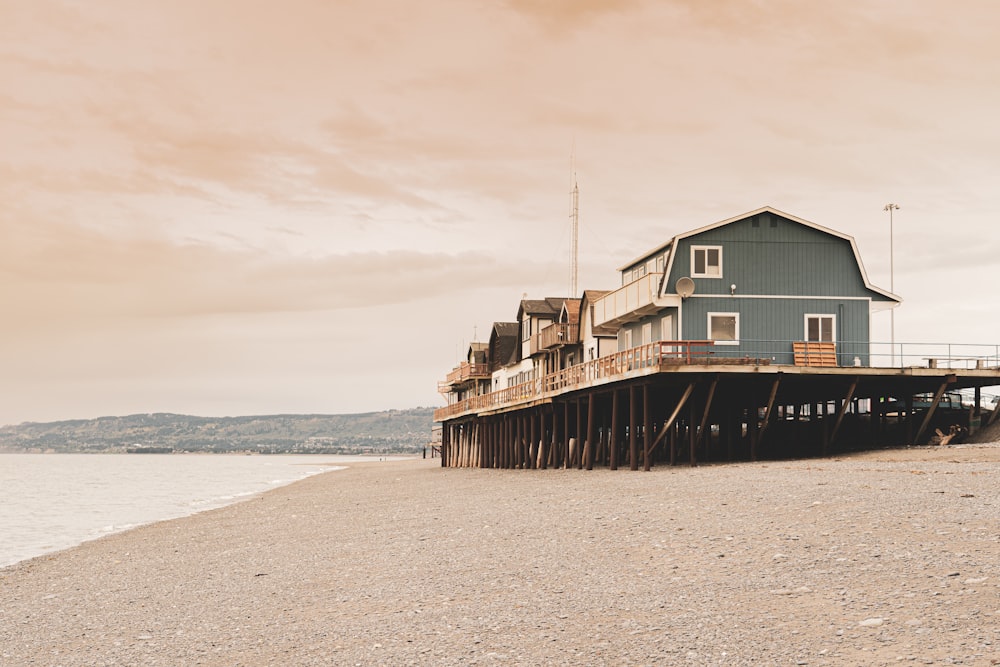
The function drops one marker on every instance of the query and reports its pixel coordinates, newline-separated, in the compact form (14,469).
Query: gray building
(754,285)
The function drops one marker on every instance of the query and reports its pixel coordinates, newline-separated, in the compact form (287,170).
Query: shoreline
(865,558)
(51,531)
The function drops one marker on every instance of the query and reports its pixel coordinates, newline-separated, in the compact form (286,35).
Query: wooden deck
(636,362)
(623,407)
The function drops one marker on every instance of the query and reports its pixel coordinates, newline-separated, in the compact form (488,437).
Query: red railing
(652,355)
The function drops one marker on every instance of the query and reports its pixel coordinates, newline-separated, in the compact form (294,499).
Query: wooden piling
(633,419)
(613,436)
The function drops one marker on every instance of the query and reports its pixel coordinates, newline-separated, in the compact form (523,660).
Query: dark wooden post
(613,439)
(543,418)
(505,441)
(488,444)
(533,445)
(554,460)
(693,432)
(728,430)
(445,439)
(514,421)
(633,417)
(522,440)
(566,437)
(673,442)
(909,419)
(578,451)
(647,430)
(591,432)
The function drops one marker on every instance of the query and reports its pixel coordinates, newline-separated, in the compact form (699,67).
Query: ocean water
(50,502)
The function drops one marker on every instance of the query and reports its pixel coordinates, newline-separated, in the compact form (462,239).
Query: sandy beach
(880,558)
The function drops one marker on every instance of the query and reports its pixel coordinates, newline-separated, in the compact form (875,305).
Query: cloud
(559,15)
(76,276)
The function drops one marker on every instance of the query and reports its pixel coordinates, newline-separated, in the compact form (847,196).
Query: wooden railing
(555,335)
(650,356)
(811,353)
(467,371)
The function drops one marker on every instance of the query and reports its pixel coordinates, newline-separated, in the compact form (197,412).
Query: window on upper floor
(706,261)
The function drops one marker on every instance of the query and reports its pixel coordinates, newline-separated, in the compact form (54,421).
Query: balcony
(628,303)
(462,374)
(638,361)
(555,335)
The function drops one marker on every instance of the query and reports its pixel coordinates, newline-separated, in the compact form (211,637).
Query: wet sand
(880,558)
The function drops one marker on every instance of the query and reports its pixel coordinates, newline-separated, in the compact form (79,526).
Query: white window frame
(695,249)
(736,316)
(627,342)
(820,317)
(647,333)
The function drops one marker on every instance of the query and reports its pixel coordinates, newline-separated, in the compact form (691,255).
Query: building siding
(767,327)
(788,259)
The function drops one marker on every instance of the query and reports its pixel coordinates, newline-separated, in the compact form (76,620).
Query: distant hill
(387,432)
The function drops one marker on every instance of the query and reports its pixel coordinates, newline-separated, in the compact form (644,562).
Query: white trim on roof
(643,258)
(801,221)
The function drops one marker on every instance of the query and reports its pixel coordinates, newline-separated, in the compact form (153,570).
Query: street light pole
(892,286)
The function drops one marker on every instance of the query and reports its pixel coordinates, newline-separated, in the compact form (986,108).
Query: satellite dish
(684,287)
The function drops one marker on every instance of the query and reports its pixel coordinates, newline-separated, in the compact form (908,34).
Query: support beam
(708,406)
(673,415)
(930,411)
(994,414)
(770,407)
(843,409)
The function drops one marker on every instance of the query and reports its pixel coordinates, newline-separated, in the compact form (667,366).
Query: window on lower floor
(724,328)
(819,328)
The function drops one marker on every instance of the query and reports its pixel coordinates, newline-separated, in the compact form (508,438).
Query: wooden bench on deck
(815,354)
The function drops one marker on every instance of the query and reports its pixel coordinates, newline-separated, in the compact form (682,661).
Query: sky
(222,207)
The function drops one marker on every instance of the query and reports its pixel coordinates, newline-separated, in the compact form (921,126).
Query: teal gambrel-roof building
(754,284)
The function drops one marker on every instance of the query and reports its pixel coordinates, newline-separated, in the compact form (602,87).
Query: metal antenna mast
(574,244)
